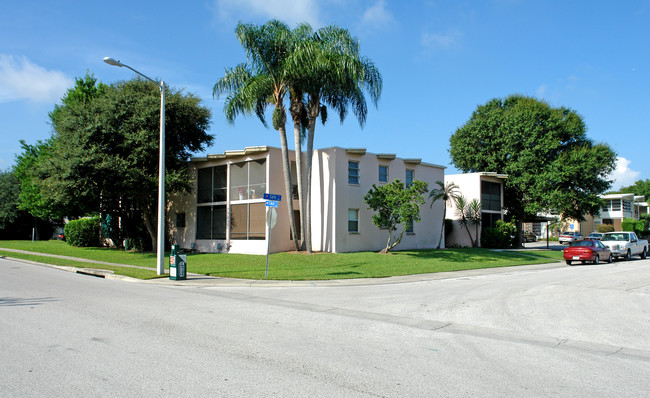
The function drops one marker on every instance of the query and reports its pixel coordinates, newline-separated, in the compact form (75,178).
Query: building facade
(486,187)
(227,212)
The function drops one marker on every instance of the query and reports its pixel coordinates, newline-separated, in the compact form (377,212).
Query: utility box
(177,265)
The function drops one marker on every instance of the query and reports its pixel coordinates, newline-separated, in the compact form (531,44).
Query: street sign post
(271,219)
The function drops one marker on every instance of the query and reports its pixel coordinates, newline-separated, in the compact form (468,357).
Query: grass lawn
(291,266)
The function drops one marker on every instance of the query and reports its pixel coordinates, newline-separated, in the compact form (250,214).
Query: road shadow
(18,301)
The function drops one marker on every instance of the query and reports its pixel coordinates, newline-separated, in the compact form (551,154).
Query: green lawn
(293,266)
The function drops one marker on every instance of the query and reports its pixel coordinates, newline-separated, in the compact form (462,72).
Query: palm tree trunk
(470,235)
(308,162)
(442,228)
(300,178)
(286,168)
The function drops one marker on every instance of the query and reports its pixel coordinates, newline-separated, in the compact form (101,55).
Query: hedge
(83,232)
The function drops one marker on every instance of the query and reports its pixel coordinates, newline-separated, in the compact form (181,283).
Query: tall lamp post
(160,255)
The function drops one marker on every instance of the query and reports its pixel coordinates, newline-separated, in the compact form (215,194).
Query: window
(248,180)
(212,184)
(606,205)
(353,220)
(353,172)
(627,206)
(489,220)
(616,205)
(248,221)
(410,176)
(180,220)
(383,173)
(491,195)
(211,222)
(409,227)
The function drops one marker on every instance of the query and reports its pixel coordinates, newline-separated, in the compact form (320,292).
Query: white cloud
(541,90)
(434,41)
(622,175)
(291,12)
(377,16)
(21,79)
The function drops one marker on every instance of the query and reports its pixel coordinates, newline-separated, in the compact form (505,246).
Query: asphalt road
(529,331)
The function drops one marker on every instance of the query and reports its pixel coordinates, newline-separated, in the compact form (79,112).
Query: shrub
(501,236)
(604,228)
(83,232)
(628,224)
(640,226)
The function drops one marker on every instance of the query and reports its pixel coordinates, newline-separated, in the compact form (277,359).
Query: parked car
(625,244)
(569,236)
(529,237)
(587,250)
(594,236)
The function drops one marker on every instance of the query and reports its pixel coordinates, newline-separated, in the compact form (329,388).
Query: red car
(587,250)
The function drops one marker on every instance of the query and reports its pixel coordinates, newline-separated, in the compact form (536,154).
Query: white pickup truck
(625,244)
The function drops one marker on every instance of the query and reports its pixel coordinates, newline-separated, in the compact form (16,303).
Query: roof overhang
(249,150)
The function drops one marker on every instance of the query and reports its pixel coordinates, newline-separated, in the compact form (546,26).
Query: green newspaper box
(177,265)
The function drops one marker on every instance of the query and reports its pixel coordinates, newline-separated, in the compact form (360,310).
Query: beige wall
(333,196)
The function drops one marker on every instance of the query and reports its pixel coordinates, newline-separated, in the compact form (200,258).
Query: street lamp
(160,255)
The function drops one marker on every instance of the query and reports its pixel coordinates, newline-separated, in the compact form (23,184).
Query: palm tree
(446,192)
(329,71)
(261,82)
(469,213)
(474,216)
(461,213)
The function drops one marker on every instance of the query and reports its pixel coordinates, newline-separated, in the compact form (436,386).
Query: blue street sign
(271,196)
(272,203)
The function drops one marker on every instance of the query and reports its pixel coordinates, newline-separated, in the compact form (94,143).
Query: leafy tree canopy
(550,162)
(105,147)
(640,187)
(9,198)
(396,204)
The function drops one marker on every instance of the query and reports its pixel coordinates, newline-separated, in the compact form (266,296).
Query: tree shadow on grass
(463,255)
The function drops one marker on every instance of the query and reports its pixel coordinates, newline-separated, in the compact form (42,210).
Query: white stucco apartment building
(486,187)
(226,211)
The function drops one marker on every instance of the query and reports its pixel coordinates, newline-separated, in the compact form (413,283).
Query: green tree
(640,187)
(30,171)
(9,198)
(396,204)
(550,162)
(328,71)
(104,150)
(445,192)
(263,81)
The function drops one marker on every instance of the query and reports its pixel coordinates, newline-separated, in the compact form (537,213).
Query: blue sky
(438,59)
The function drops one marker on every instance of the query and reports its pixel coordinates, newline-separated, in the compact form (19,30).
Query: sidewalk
(198,280)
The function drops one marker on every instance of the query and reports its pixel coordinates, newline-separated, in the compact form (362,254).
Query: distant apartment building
(487,187)
(616,208)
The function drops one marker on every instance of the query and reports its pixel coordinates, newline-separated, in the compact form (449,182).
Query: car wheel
(610,259)
(596,259)
(568,262)
(628,256)
(644,254)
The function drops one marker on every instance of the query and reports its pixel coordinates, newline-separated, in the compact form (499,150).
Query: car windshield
(616,237)
(587,243)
